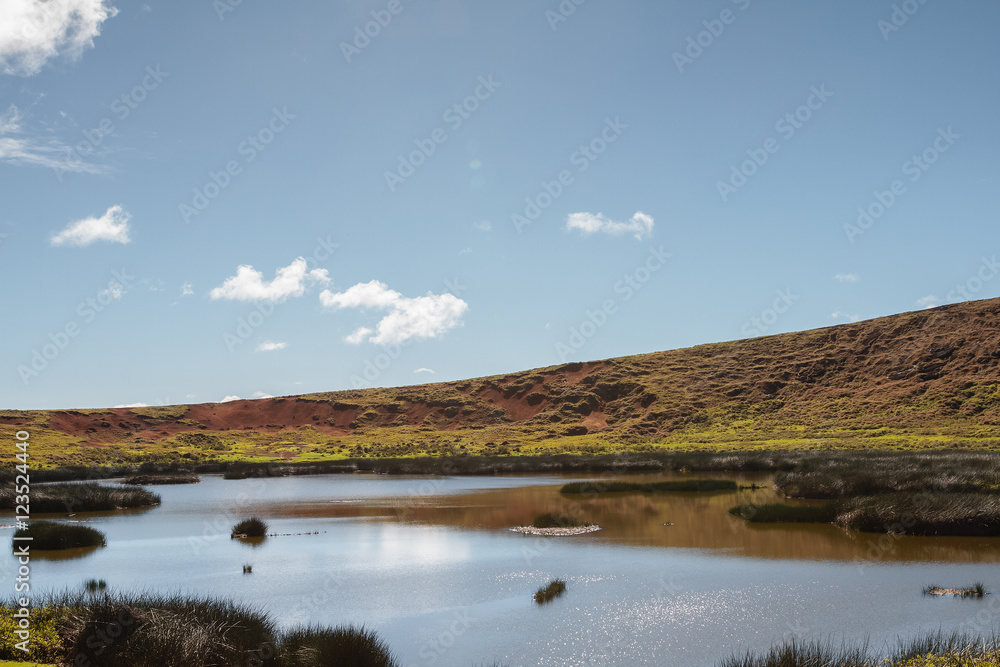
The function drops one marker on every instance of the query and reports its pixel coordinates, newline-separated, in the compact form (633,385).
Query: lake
(429,563)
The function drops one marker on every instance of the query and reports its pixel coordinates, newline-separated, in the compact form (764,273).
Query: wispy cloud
(112,227)
(270,346)
(424,370)
(639,225)
(847,277)
(420,317)
(34,31)
(847,317)
(10,120)
(187,289)
(261,394)
(132,405)
(483,225)
(50,153)
(289,281)
(229,398)
(929,301)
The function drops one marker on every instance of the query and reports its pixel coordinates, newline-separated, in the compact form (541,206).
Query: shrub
(252,527)
(320,647)
(50,536)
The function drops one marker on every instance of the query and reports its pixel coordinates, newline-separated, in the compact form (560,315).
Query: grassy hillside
(926,379)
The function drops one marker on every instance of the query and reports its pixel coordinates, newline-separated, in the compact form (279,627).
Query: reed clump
(52,536)
(86,497)
(549,592)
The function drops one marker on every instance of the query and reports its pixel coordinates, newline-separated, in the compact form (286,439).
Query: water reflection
(696,520)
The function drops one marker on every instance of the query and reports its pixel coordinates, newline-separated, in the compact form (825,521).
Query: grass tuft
(95,585)
(319,647)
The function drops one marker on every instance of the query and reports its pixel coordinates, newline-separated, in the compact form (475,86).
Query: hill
(921,379)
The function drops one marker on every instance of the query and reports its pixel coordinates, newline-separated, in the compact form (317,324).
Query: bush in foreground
(148,630)
(153,631)
(323,647)
(50,536)
(252,527)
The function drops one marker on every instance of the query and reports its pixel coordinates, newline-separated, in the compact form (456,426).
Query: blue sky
(217,199)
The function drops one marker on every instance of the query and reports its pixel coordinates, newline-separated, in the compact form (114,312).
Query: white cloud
(358,336)
(424,370)
(132,405)
(849,317)
(929,301)
(112,227)
(465,251)
(249,285)
(261,394)
(115,290)
(847,277)
(483,225)
(639,225)
(10,120)
(269,346)
(34,31)
(419,317)
(230,397)
(187,289)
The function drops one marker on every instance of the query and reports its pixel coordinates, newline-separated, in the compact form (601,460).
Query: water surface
(429,563)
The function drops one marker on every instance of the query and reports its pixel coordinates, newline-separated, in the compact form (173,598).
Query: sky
(208,200)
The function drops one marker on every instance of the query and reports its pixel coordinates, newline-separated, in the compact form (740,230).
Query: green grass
(252,527)
(551,591)
(50,536)
(87,497)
